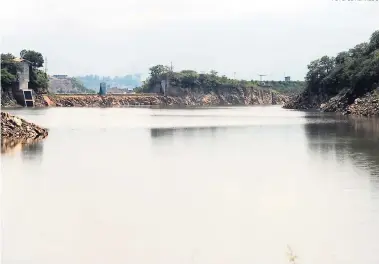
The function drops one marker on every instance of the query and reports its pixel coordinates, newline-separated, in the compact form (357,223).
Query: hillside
(347,83)
(67,85)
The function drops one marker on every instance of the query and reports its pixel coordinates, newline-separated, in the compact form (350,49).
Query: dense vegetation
(93,81)
(290,87)
(208,82)
(355,70)
(38,78)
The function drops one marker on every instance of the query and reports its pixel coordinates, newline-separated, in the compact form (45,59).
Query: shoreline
(363,106)
(15,130)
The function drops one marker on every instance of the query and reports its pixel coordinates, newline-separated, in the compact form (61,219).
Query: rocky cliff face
(346,102)
(181,97)
(228,96)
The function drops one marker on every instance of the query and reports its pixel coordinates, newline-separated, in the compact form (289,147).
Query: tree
(8,70)
(6,57)
(35,58)
(374,41)
(189,78)
(7,79)
(158,70)
(359,50)
(39,81)
(342,57)
(213,72)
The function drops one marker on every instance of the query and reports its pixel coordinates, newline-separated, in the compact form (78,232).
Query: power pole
(234,75)
(45,65)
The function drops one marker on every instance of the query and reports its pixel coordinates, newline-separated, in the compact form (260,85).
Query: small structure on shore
(103,88)
(287,78)
(20,89)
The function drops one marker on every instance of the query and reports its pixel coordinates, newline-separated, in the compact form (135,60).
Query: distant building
(60,76)
(287,78)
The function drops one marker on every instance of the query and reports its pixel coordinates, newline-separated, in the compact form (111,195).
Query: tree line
(356,69)
(39,80)
(208,82)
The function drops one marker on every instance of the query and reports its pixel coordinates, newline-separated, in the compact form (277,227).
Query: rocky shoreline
(345,102)
(14,128)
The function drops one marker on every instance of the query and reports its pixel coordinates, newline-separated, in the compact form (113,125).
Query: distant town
(62,83)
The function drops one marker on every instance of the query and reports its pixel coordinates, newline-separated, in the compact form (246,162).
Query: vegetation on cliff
(337,81)
(9,66)
(207,82)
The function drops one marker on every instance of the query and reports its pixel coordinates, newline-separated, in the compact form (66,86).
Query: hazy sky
(249,37)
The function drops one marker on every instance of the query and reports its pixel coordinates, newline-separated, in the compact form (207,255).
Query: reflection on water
(33,151)
(352,138)
(187,131)
(30,148)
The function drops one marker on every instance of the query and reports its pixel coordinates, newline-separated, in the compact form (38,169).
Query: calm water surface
(217,185)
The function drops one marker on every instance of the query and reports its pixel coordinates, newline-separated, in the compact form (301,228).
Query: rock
(15,128)
(17,121)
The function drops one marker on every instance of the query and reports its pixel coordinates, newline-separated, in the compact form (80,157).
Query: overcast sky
(249,37)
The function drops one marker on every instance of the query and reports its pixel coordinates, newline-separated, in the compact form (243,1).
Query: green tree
(374,41)
(39,81)
(35,58)
(189,78)
(158,70)
(9,69)
(7,79)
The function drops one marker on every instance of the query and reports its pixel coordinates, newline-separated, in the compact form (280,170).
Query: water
(217,185)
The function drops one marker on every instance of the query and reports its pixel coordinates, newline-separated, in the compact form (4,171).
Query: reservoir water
(231,185)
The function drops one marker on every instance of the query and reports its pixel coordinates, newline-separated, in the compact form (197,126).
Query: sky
(241,38)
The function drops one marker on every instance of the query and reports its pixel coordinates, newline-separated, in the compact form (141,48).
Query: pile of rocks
(13,127)
(367,105)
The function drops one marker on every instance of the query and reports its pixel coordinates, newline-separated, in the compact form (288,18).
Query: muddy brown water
(209,185)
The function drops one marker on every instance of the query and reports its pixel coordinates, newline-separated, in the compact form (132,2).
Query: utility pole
(234,75)
(45,65)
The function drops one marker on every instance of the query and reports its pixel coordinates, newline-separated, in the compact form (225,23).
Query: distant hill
(67,85)
(127,81)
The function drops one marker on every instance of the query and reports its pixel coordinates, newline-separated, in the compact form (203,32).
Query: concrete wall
(23,76)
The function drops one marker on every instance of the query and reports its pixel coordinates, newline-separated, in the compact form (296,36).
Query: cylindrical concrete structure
(103,88)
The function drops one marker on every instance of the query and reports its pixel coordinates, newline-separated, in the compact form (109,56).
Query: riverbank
(345,102)
(197,98)
(14,128)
